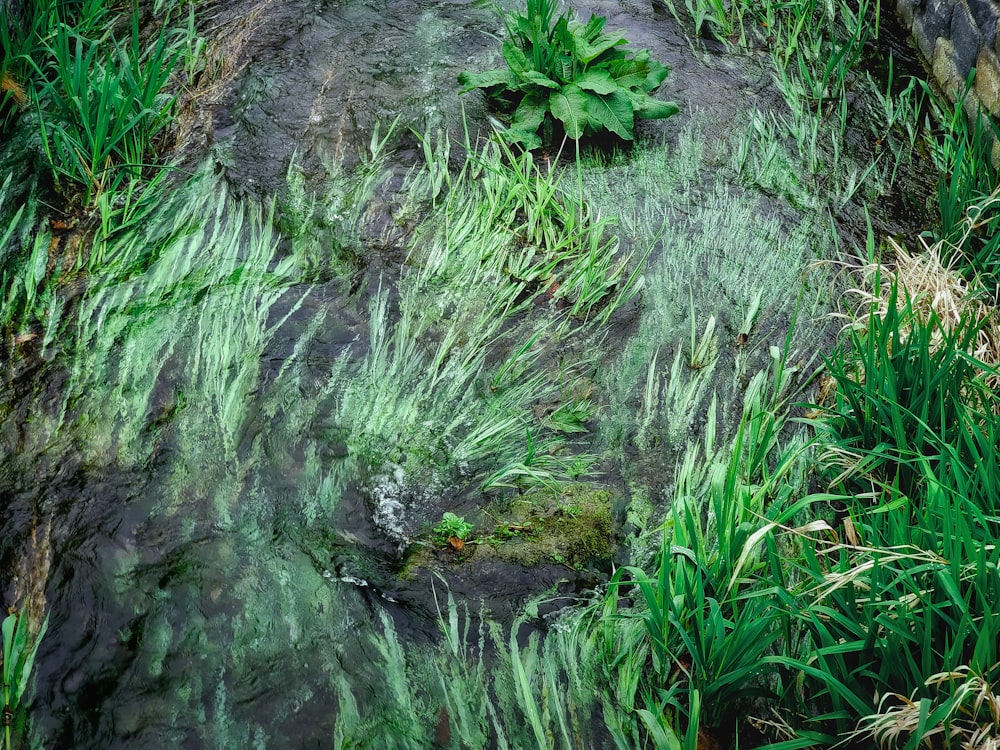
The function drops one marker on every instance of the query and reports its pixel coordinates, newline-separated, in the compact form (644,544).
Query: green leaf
(594,26)
(570,107)
(663,736)
(9,623)
(29,660)
(648,108)
(530,113)
(588,43)
(529,140)
(613,112)
(656,76)
(538,79)
(599,81)
(486,80)
(629,74)
(527,120)
(515,58)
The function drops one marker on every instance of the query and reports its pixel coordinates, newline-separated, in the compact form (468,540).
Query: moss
(572,525)
(418,556)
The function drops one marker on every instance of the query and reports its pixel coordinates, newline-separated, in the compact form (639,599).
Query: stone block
(945,70)
(906,10)
(986,13)
(965,38)
(988,80)
(932,24)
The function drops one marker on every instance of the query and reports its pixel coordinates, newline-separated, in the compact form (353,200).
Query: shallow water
(221,575)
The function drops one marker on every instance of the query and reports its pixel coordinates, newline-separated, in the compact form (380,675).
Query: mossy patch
(571,525)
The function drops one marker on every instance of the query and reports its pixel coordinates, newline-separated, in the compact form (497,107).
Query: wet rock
(965,39)
(985,13)
(931,25)
(907,9)
(943,62)
(988,80)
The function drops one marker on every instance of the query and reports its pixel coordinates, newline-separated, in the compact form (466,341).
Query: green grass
(706,608)
(444,385)
(98,92)
(101,106)
(967,190)
(21,640)
(907,397)
(907,595)
(29,296)
(325,226)
(821,590)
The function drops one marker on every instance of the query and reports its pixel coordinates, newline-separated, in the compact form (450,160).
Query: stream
(221,500)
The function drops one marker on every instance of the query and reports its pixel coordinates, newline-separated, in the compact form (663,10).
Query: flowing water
(223,463)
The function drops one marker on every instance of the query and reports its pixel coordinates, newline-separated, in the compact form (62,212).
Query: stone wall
(956,36)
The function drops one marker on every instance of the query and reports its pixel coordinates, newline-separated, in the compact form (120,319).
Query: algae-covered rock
(571,525)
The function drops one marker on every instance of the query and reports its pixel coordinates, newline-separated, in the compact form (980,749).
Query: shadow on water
(218,578)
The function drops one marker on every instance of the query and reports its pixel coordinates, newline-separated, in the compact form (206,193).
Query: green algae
(572,525)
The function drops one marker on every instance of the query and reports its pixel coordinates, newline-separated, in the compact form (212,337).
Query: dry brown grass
(970,719)
(927,285)
(8,84)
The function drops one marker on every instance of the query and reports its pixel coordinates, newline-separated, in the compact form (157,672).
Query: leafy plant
(19,649)
(967,183)
(451,527)
(102,105)
(568,75)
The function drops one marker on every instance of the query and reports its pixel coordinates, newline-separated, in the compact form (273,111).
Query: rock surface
(955,37)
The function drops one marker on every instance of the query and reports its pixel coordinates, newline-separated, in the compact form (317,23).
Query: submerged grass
(178,317)
(721,277)
(461,349)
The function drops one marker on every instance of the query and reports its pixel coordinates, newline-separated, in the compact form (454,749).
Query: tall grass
(906,594)
(967,189)
(756,598)
(98,90)
(101,107)
(905,402)
(707,608)
(325,226)
(483,687)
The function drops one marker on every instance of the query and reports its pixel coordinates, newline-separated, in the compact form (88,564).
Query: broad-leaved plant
(566,75)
